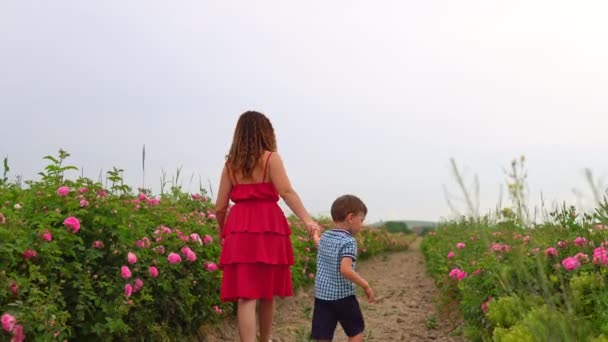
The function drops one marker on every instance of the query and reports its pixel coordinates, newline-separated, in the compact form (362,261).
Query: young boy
(335,299)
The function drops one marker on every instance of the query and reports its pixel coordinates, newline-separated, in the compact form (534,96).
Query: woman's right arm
(223,197)
(278,176)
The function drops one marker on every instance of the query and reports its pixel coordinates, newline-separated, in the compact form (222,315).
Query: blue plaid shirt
(334,245)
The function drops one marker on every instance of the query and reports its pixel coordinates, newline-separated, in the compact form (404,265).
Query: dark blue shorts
(327,314)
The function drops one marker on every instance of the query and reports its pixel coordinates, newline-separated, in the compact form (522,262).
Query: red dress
(257,252)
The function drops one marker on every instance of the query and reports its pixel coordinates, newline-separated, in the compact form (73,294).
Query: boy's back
(334,245)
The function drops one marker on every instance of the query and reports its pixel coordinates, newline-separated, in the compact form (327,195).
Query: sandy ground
(405,311)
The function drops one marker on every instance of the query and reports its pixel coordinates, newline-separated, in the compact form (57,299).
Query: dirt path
(405,311)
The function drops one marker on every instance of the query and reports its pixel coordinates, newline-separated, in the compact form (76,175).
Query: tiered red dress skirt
(257,253)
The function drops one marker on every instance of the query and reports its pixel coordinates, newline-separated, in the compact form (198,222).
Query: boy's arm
(316,238)
(346,269)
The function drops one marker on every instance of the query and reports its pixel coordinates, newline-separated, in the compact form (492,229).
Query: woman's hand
(313,227)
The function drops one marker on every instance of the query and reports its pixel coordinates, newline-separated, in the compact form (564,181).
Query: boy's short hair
(347,204)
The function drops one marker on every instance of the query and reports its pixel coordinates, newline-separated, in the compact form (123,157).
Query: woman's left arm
(223,197)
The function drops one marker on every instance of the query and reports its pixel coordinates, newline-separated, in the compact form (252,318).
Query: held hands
(313,228)
(314,232)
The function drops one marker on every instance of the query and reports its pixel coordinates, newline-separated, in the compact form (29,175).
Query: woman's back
(259,174)
(255,187)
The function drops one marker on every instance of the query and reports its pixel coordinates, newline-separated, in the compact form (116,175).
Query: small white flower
(17,206)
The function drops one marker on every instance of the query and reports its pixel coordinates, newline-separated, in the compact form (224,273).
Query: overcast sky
(367,97)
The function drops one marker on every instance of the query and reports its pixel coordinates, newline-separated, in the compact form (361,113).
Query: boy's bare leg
(356,338)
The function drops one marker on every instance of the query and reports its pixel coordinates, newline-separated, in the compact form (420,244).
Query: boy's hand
(369,293)
(316,237)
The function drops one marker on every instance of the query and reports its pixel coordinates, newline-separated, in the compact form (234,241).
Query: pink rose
(138,284)
(191,256)
(46,236)
(73,223)
(153,202)
(126,272)
(211,267)
(460,245)
(84,203)
(98,244)
(217,309)
(83,190)
(196,196)
(571,263)
(600,256)
(143,243)
(14,288)
(582,257)
(63,191)
(496,247)
(18,335)
(457,274)
(131,258)
(142,197)
(451,255)
(28,254)
(162,230)
(196,238)
(159,249)
(102,193)
(453,273)
(174,258)
(580,241)
(550,252)
(128,290)
(211,216)
(153,271)
(207,239)
(2,219)
(8,322)
(484,305)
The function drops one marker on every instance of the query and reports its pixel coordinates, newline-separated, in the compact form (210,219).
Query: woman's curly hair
(253,135)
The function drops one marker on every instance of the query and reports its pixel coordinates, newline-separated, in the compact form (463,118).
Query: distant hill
(410,223)
(416,226)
